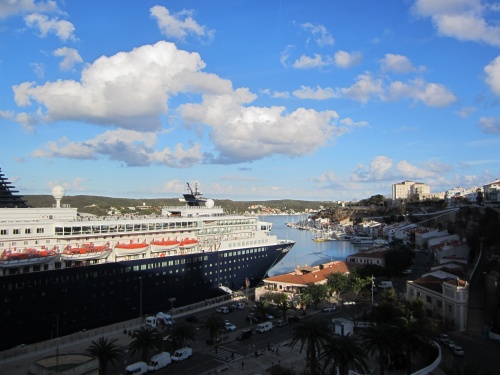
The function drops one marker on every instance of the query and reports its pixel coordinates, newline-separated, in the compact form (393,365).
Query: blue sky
(254,100)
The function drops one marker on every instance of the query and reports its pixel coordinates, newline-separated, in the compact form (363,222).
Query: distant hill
(98,205)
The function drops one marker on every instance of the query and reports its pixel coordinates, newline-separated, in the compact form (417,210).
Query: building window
(428,299)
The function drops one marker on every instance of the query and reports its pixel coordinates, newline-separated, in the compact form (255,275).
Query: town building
(375,256)
(492,192)
(410,190)
(444,298)
(292,283)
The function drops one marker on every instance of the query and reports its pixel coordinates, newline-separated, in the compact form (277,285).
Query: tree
(213,325)
(409,335)
(105,351)
(313,333)
(263,308)
(282,303)
(145,339)
(379,338)
(181,333)
(318,292)
(479,197)
(345,353)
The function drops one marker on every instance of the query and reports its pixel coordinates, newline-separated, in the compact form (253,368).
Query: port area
(43,357)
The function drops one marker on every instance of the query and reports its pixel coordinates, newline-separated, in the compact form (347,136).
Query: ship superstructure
(83,271)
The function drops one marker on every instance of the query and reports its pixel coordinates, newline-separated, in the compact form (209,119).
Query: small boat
(188,243)
(164,245)
(27,257)
(122,249)
(86,251)
(362,240)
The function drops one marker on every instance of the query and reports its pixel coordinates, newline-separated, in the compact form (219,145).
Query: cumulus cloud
(306,62)
(431,94)
(318,93)
(70,57)
(128,90)
(396,63)
(464,20)
(131,147)
(490,125)
(492,71)
(378,170)
(179,25)
(408,170)
(364,88)
(320,34)
(61,28)
(243,133)
(17,7)
(345,59)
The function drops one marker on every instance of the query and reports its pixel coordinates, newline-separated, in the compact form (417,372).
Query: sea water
(306,251)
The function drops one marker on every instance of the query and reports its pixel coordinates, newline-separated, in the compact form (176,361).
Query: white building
(446,299)
(492,191)
(410,190)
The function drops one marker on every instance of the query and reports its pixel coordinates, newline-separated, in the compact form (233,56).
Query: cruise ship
(62,271)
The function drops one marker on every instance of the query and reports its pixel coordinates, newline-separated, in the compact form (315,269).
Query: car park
(330,309)
(252,318)
(229,327)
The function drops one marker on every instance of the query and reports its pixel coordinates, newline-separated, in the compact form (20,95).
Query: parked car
(246,334)
(280,323)
(223,310)
(238,306)
(330,309)
(229,327)
(253,318)
(444,338)
(457,351)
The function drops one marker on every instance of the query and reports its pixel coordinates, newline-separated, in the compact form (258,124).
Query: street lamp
(140,297)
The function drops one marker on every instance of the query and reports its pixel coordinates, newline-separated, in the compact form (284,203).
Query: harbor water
(306,251)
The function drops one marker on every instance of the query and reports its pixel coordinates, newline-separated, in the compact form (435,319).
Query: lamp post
(140,297)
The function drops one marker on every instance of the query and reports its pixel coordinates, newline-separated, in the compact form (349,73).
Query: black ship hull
(39,306)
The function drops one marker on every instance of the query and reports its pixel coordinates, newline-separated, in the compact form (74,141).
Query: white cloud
(306,92)
(285,55)
(321,35)
(411,171)
(396,63)
(131,147)
(243,133)
(70,57)
(490,125)
(364,88)
(15,7)
(466,111)
(378,170)
(461,19)
(180,24)
(345,59)
(39,69)
(431,94)
(129,89)
(492,71)
(306,62)
(62,28)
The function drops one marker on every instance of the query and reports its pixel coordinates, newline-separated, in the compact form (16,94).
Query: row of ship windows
(107,272)
(5,232)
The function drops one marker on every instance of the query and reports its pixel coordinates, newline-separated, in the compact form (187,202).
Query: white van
(182,354)
(264,327)
(165,318)
(151,321)
(138,368)
(159,361)
(385,284)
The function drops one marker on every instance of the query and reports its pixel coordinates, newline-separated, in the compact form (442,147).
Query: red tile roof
(306,275)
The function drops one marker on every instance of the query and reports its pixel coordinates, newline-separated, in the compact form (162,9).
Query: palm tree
(263,308)
(213,324)
(145,339)
(346,353)
(410,335)
(379,338)
(181,333)
(314,333)
(105,351)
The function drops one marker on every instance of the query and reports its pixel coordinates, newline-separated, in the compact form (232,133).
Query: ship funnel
(58,193)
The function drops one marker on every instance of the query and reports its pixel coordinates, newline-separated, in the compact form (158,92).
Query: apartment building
(445,299)
(492,192)
(410,190)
